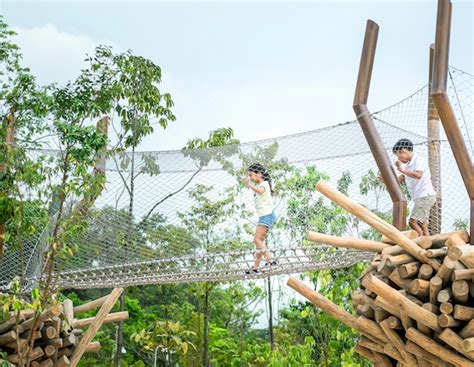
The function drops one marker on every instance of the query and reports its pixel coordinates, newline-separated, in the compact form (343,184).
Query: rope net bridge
(187,217)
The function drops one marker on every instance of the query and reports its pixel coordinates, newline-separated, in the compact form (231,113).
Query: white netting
(202,218)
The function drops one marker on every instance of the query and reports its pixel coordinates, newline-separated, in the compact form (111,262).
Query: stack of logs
(416,303)
(55,338)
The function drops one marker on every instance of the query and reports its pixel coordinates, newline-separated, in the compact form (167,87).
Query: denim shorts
(267,220)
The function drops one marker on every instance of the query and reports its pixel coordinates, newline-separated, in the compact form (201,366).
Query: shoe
(250,271)
(273,263)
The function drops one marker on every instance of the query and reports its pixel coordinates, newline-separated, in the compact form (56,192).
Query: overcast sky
(263,68)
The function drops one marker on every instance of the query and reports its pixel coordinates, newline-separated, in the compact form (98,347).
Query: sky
(264,68)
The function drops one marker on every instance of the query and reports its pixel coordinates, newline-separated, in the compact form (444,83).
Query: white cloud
(54,55)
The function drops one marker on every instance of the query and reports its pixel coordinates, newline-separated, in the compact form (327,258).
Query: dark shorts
(267,220)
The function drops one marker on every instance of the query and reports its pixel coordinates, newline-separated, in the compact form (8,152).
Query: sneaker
(273,263)
(251,271)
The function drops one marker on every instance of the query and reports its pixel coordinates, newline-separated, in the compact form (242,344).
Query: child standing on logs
(259,181)
(416,173)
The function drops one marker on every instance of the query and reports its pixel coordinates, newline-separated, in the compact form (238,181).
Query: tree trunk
(205,349)
(270,314)
(118,358)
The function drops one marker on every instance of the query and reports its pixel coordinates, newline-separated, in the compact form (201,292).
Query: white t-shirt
(264,202)
(419,188)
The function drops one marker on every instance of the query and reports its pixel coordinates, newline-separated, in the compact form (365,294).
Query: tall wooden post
(368,127)
(9,141)
(443,105)
(434,153)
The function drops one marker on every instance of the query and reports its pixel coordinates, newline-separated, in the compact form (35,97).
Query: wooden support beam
(347,242)
(92,330)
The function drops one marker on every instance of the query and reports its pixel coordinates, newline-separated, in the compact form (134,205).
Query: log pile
(57,337)
(416,302)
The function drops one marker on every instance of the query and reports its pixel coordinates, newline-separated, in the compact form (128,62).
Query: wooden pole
(361,324)
(443,105)
(368,127)
(347,242)
(375,222)
(434,153)
(92,330)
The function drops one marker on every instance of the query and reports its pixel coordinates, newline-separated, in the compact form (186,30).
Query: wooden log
(57,342)
(62,362)
(387,306)
(393,250)
(93,347)
(92,330)
(90,305)
(447,321)
(48,332)
(411,234)
(420,288)
(394,323)
(398,343)
(467,258)
(35,353)
(467,331)
(380,314)
(364,352)
(346,242)
(444,295)
(446,269)
(53,310)
(385,269)
(77,332)
(421,327)
(407,322)
(463,312)
(68,351)
(426,272)
(49,350)
(8,325)
(47,363)
(35,364)
(375,222)
(399,259)
(446,308)
(398,280)
(390,350)
(366,311)
(437,349)
(113,317)
(361,324)
(468,345)
(8,337)
(464,274)
(456,238)
(455,341)
(409,270)
(68,312)
(70,339)
(369,344)
(359,298)
(436,283)
(423,353)
(460,291)
(425,242)
(438,252)
(412,309)
(17,344)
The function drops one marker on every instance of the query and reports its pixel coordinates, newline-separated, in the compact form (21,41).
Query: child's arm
(258,190)
(407,172)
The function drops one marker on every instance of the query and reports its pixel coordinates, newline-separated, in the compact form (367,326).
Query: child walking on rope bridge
(260,182)
(416,173)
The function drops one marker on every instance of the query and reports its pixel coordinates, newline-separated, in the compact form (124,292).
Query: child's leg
(259,240)
(414,225)
(424,227)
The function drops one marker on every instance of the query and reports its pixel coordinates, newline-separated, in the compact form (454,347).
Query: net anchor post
(371,134)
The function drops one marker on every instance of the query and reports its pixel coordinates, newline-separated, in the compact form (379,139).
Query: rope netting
(187,217)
